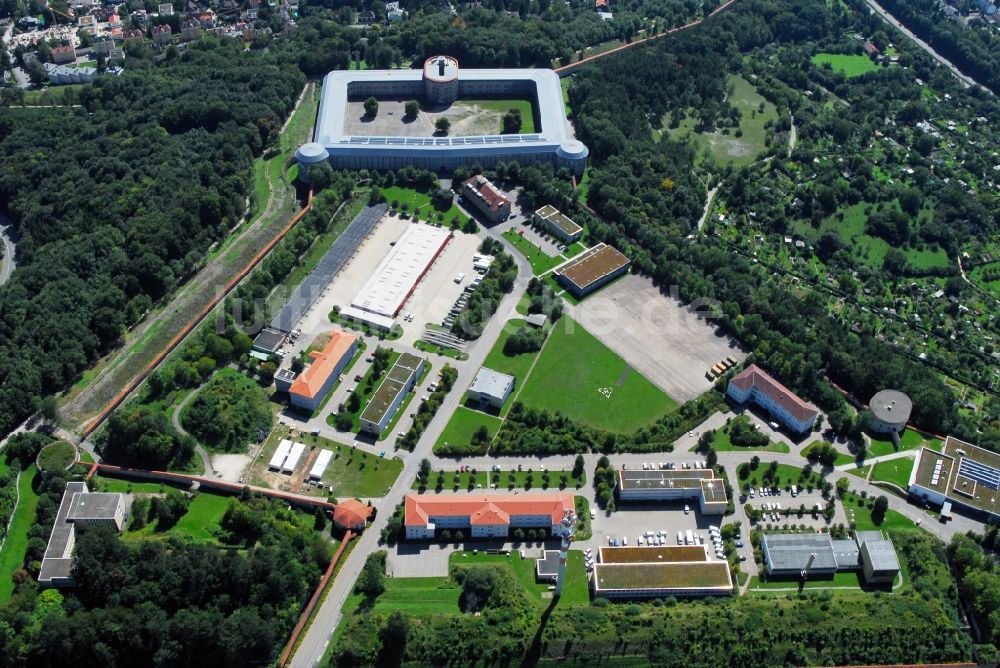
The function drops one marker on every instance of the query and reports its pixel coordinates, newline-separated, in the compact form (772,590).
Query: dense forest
(975,49)
(170,602)
(116,202)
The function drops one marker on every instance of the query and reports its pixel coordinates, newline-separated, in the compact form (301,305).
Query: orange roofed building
(310,387)
(486,516)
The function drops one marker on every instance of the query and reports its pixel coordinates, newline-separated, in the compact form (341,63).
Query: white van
(689,537)
(680,537)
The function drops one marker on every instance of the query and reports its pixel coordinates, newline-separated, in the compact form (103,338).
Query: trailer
(293,457)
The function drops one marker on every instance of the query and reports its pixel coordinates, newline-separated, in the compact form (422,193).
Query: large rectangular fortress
(441,82)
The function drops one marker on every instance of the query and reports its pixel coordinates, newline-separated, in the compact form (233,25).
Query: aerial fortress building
(441,82)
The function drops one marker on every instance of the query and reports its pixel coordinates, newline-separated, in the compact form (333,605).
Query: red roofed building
(486,198)
(309,388)
(485,516)
(351,514)
(754,384)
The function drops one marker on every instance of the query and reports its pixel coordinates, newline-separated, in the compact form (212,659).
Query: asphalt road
(9,250)
(889,18)
(317,637)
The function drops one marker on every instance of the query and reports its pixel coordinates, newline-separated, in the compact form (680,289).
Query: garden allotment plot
(582,379)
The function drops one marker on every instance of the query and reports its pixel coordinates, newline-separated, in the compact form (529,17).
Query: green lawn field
(842,458)
(848,65)
(204,514)
(896,471)
(581,378)
(512,365)
(419,596)
(463,424)
(785,476)
(507,480)
(728,148)
(503,106)
(16,544)
(908,440)
(893,520)
(540,262)
(576,591)
(421,203)
(721,443)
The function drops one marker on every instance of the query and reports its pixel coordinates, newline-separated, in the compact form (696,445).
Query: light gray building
(79,508)
(441,80)
(891,410)
(491,387)
(804,555)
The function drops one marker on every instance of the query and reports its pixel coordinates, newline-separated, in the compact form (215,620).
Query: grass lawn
(895,471)
(455,481)
(841,579)
(848,65)
(351,472)
(721,443)
(105,484)
(57,456)
(420,596)
(564,83)
(16,544)
(785,475)
(576,591)
(908,440)
(421,203)
(204,513)
(729,148)
(841,457)
(463,424)
(435,349)
(503,106)
(578,376)
(512,365)
(540,262)
(855,505)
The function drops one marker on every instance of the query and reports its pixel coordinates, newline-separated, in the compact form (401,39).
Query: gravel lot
(656,335)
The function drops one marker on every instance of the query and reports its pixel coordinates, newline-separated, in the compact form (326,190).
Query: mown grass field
(896,471)
(722,443)
(908,440)
(785,475)
(503,106)
(512,365)
(420,203)
(727,148)
(463,424)
(540,262)
(848,65)
(575,592)
(584,380)
(15,545)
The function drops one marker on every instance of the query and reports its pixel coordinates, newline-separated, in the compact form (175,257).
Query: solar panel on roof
(981,473)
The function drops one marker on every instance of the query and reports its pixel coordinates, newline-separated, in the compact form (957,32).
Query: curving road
(175,417)
(9,250)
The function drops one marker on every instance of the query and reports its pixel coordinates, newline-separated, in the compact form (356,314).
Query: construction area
(671,344)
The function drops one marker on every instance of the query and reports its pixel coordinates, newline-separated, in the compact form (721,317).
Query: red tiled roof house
(754,384)
(484,516)
(486,198)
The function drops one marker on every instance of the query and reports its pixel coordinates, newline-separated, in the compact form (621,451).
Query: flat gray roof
(94,506)
(491,383)
(791,551)
(846,553)
(548,93)
(881,554)
(58,562)
(891,406)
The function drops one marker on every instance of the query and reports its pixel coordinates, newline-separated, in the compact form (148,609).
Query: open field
(848,65)
(463,424)
(202,517)
(15,545)
(540,261)
(863,519)
(896,471)
(512,365)
(667,342)
(726,147)
(909,440)
(420,204)
(578,376)
(468,118)
(146,341)
(721,443)
(575,592)
(351,472)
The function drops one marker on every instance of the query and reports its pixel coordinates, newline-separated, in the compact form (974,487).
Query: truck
(689,537)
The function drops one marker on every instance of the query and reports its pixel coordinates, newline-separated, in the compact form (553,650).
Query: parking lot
(665,341)
(784,508)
